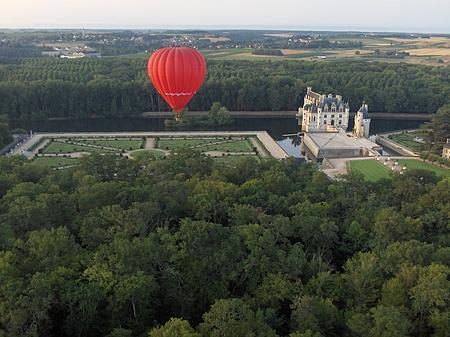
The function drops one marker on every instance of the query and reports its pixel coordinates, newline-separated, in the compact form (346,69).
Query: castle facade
(324,113)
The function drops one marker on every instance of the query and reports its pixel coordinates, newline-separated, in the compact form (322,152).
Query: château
(324,113)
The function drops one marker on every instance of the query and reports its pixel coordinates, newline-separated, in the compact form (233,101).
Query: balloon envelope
(177,73)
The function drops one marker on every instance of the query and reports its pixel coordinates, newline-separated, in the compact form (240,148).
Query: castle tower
(362,122)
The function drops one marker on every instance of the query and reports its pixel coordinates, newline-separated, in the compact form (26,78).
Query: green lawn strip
(230,146)
(138,154)
(372,170)
(59,147)
(120,144)
(54,162)
(180,143)
(413,164)
(407,139)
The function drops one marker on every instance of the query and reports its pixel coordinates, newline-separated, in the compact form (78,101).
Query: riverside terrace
(64,149)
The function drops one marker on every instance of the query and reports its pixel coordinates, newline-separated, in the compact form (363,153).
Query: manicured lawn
(206,144)
(180,143)
(229,146)
(120,144)
(413,164)
(57,147)
(54,162)
(60,147)
(142,153)
(371,169)
(407,139)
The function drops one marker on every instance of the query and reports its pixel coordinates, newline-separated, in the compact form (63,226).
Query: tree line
(46,88)
(190,247)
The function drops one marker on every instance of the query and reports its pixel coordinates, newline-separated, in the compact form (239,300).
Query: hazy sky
(385,15)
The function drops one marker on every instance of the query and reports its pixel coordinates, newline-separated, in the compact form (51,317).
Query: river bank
(289,114)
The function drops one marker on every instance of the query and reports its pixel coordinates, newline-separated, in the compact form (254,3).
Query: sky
(428,16)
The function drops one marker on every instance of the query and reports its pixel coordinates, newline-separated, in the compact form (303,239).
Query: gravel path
(150,143)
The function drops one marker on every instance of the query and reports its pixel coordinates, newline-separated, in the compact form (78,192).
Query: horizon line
(234,27)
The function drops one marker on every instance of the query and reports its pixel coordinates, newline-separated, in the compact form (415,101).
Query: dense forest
(5,133)
(187,247)
(44,88)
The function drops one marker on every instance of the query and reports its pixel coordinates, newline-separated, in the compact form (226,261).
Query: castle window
(324,116)
(332,116)
(340,122)
(340,116)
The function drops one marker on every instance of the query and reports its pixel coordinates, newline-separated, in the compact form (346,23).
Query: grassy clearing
(413,164)
(119,144)
(55,162)
(372,170)
(407,139)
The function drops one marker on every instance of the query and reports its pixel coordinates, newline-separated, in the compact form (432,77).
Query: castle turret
(362,122)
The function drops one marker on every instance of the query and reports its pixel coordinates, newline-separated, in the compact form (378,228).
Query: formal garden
(65,152)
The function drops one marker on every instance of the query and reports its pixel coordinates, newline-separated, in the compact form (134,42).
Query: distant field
(413,164)
(432,51)
(372,170)
(215,38)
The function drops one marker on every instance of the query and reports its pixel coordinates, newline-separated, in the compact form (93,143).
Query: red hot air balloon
(177,73)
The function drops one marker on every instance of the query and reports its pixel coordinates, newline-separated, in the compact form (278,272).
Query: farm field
(372,170)
(413,164)
(430,51)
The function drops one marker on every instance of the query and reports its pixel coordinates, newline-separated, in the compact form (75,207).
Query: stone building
(323,113)
(362,122)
